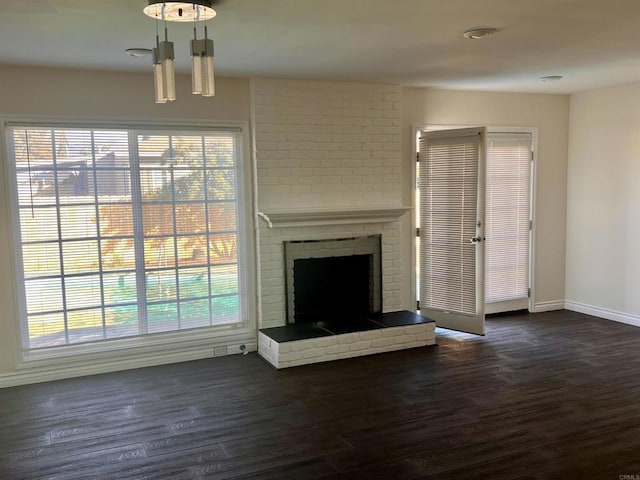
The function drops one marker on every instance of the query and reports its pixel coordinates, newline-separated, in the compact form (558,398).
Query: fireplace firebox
(335,279)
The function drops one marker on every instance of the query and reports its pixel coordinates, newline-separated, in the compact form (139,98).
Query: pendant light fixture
(201,49)
(202,80)
(163,70)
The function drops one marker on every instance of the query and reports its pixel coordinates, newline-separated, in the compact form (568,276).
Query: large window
(127,232)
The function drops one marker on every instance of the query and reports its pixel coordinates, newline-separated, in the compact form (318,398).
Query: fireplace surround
(333,296)
(284,344)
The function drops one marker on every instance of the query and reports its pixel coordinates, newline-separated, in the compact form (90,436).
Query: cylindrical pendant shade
(169,78)
(159,83)
(208,81)
(196,75)
(165,56)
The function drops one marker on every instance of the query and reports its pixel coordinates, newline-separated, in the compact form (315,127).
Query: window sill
(197,342)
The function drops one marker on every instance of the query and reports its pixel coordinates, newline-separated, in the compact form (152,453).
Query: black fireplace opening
(337,281)
(332,287)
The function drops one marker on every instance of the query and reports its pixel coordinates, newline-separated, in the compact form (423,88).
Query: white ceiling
(592,43)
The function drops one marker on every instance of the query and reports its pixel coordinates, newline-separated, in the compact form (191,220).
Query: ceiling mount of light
(195,11)
(478,33)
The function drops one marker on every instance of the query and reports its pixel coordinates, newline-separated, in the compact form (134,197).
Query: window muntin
(126,232)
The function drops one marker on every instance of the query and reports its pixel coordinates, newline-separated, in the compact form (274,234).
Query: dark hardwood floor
(553,395)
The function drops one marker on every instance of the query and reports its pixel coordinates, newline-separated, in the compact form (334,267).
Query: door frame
(533,131)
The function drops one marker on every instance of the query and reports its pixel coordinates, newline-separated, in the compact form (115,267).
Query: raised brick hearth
(294,345)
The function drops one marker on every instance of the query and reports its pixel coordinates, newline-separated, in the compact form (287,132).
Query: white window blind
(507,214)
(127,232)
(448,210)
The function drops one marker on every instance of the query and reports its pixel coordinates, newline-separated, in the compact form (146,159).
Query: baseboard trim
(43,374)
(605,313)
(548,306)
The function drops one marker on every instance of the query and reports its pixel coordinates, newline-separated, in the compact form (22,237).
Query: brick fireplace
(329,166)
(329,335)
(273,297)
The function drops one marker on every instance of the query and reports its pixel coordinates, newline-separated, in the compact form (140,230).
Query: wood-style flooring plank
(551,395)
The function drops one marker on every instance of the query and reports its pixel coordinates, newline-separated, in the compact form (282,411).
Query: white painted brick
(324,342)
(336,349)
(415,328)
(393,332)
(362,345)
(301,345)
(405,339)
(288,357)
(314,353)
(382,342)
(391,348)
(370,335)
(425,336)
(348,338)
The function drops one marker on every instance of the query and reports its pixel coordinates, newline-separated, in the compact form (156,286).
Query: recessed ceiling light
(478,33)
(138,52)
(551,78)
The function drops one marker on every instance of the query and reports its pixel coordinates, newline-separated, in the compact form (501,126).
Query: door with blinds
(508,226)
(452,228)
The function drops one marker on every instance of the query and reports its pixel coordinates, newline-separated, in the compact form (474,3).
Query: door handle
(475,239)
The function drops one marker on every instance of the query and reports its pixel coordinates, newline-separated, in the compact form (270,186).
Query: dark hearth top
(293,332)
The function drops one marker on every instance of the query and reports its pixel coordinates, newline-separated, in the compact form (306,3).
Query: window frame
(186,341)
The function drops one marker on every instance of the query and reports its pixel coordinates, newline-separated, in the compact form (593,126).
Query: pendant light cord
(195,22)
(164,17)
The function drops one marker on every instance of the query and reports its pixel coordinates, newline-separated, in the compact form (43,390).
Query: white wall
(90,94)
(603,224)
(549,113)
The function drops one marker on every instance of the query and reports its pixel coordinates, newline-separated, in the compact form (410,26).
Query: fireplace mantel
(315,216)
